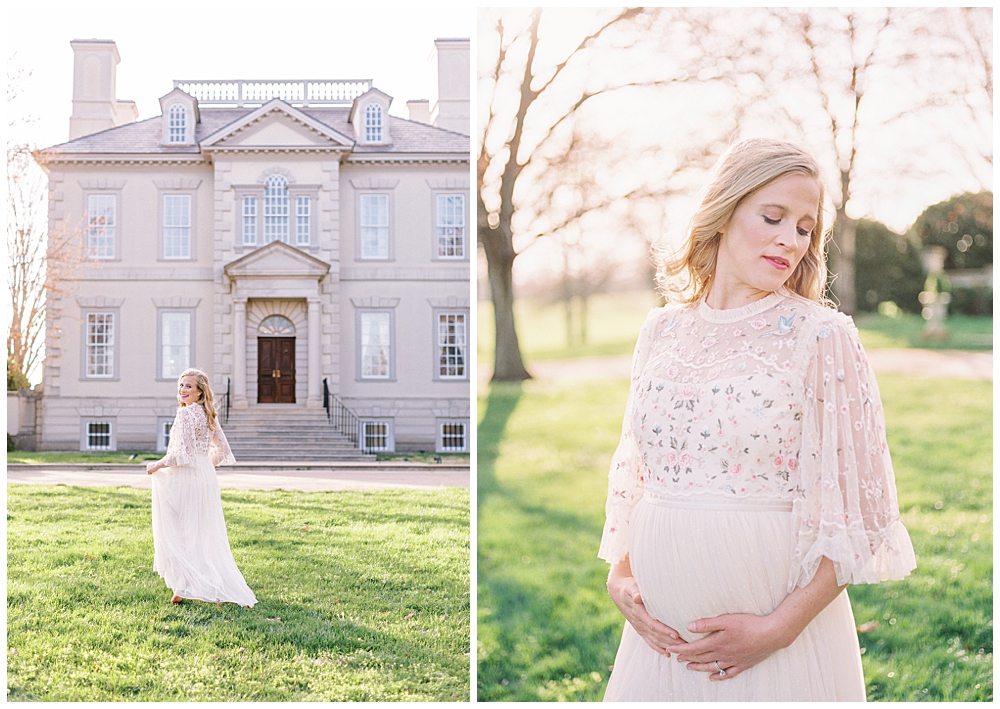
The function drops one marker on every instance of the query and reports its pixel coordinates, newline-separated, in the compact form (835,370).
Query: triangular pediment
(277,260)
(277,125)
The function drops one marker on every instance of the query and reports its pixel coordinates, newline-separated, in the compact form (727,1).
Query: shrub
(963,225)
(887,268)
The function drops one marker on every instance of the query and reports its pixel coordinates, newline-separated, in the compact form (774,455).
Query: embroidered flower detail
(708,342)
(809,393)
(793,464)
(843,408)
(830,407)
(671,456)
(823,332)
(758,323)
(757,411)
(685,459)
(857,425)
(840,375)
(778,462)
(672,371)
(737,333)
(686,321)
(735,469)
(713,373)
(688,391)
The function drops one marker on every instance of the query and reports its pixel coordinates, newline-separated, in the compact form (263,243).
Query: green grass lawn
(614,321)
(547,630)
(135,457)
(362,596)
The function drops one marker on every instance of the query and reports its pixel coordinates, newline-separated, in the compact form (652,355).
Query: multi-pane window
(453,437)
(451,226)
(276,209)
(175,343)
(164,441)
(374,226)
(101,225)
(302,220)
(249,220)
(177,226)
(452,345)
(373,123)
(100,352)
(99,435)
(375,435)
(177,123)
(375,344)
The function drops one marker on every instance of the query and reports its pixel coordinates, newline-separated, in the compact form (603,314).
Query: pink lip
(777,262)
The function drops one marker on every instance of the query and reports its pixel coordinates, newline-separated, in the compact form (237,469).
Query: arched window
(276,209)
(276,326)
(373,123)
(178,124)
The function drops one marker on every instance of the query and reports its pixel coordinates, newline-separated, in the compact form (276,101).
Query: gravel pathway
(256,477)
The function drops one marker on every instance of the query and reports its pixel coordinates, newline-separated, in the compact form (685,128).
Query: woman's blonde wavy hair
(207,397)
(686,275)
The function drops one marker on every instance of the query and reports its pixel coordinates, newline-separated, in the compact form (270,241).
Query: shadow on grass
(500,406)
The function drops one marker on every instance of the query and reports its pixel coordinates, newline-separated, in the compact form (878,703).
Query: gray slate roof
(143,137)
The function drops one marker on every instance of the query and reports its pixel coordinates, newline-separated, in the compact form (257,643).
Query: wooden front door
(275,370)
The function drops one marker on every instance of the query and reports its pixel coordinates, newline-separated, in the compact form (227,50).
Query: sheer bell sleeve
(218,449)
(625,479)
(181,449)
(846,508)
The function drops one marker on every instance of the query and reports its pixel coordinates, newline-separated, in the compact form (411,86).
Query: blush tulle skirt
(695,559)
(190,544)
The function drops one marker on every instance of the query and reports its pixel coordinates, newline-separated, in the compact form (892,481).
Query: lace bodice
(774,401)
(190,437)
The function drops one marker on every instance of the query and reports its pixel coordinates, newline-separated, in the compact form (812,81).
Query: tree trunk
(507,363)
(583,318)
(846,231)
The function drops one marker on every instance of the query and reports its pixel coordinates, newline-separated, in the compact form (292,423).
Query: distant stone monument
(936,294)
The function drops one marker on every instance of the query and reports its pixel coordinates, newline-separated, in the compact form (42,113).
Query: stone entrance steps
(283,432)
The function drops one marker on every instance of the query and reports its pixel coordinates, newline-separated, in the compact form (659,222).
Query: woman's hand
(736,641)
(624,591)
(152,466)
(739,641)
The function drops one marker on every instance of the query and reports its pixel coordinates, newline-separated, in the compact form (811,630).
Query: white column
(314,396)
(240,353)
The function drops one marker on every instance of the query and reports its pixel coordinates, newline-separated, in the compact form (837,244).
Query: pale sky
(160,42)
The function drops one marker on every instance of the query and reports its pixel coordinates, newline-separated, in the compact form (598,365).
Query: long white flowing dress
(753,446)
(190,544)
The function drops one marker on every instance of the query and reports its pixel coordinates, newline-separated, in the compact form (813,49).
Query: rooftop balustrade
(250,93)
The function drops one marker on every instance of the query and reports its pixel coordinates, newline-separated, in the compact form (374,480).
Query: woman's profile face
(767,235)
(187,391)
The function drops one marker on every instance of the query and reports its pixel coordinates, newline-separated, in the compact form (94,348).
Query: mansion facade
(306,249)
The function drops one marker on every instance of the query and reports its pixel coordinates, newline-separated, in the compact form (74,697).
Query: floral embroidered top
(190,437)
(774,401)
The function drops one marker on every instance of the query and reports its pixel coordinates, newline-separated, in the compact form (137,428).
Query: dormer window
(177,124)
(373,123)
(179,118)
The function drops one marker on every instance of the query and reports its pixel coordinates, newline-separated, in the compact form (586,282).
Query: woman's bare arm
(624,591)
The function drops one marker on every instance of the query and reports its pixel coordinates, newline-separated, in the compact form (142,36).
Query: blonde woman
(190,545)
(753,481)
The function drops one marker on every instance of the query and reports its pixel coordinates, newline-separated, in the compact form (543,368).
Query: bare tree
(845,59)
(531,133)
(26,202)
(40,264)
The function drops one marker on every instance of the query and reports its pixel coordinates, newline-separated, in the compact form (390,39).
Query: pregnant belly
(693,563)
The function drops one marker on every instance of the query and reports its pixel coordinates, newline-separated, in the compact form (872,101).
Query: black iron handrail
(225,402)
(342,418)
